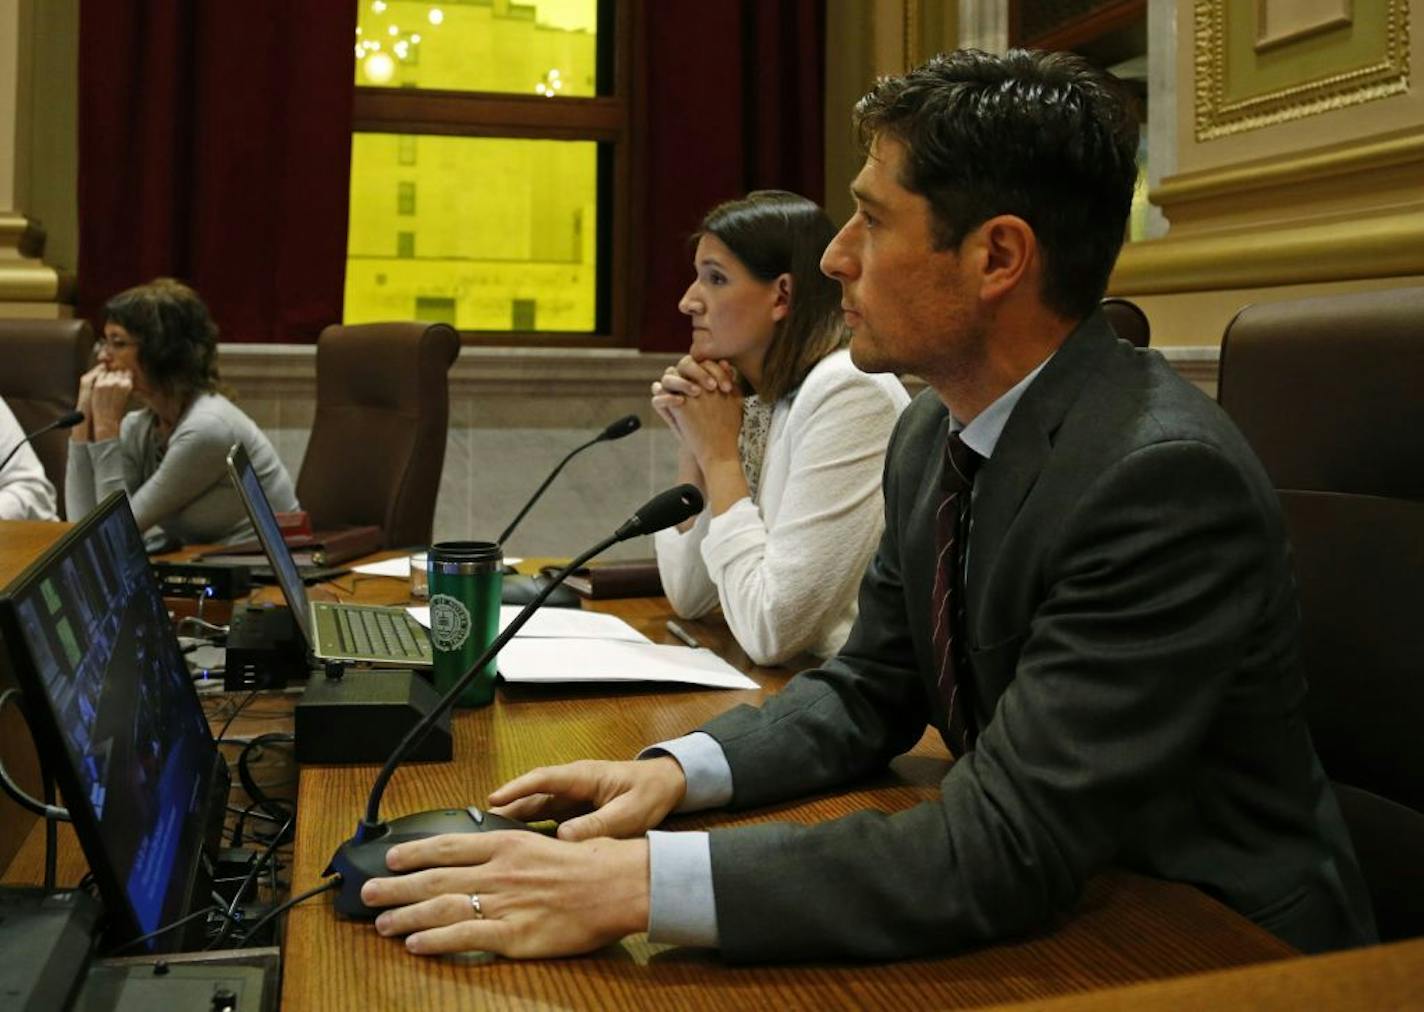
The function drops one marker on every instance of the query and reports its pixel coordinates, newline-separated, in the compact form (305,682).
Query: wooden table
(1377,978)
(1127,929)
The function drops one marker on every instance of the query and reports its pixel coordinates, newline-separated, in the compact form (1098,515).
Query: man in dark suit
(1083,584)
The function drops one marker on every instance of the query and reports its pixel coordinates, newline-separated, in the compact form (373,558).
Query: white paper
(578,660)
(556,623)
(399,567)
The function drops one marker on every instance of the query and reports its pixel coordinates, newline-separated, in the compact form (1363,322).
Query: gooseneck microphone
(68,421)
(364,855)
(626,425)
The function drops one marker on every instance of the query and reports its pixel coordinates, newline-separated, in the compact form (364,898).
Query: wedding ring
(475,906)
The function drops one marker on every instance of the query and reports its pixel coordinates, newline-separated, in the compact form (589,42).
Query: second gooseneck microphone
(363,857)
(624,426)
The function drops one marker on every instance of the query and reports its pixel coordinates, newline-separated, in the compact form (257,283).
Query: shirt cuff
(681,909)
(704,764)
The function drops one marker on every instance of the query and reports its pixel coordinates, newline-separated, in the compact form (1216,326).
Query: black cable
(217,908)
(206,911)
(233,715)
(241,823)
(16,792)
(247,881)
(326,886)
(277,807)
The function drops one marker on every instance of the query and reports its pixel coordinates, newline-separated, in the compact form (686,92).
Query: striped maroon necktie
(947,603)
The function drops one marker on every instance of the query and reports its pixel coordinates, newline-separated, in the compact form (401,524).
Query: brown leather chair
(1330,393)
(43,362)
(1128,319)
(378,441)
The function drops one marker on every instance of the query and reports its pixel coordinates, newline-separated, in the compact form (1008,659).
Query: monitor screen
(264,521)
(115,714)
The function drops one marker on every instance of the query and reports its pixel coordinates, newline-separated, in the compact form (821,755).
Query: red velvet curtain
(732,97)
(214,146)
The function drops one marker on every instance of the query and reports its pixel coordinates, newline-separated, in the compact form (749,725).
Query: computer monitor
(116,718)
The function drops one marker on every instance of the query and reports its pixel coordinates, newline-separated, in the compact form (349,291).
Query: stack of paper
(566,645)
(566,660)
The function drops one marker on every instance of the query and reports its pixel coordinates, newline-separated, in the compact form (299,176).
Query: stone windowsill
(293,366)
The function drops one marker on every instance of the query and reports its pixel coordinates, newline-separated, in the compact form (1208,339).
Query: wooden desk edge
(1375,977)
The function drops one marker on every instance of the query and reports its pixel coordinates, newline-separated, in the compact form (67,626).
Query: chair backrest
(378,440)
(1330,394)
(43,362)
(1128,319)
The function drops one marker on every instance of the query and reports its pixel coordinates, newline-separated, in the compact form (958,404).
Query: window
(431,309)
(510,119)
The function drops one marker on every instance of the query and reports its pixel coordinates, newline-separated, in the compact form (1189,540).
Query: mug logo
(449,622)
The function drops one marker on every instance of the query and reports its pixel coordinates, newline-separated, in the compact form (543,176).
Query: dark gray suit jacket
(1133,632)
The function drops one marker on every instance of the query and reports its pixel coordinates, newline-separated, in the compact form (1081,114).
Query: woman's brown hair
(773,232)
(177,339)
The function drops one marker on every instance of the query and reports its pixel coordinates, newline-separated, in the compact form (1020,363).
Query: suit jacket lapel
(1005,480)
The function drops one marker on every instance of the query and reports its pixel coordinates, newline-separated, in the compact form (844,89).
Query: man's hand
(597,798)
(537,897)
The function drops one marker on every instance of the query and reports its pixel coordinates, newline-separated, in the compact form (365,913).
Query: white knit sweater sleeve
(686,584)
(783,587)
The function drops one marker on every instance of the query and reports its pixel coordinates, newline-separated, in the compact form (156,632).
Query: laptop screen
(264,521)
(115,714)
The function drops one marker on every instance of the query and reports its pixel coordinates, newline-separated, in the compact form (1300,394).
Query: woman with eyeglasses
(159,349)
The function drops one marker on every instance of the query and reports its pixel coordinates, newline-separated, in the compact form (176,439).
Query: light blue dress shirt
(682,909)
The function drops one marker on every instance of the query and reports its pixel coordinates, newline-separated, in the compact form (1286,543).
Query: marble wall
(513,414)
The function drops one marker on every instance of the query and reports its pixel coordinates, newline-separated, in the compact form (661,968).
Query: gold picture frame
(1218,115)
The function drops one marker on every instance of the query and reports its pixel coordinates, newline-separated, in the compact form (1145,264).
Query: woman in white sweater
(160,349)
(785,437)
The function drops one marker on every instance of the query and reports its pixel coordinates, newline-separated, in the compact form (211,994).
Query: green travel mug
(465,583)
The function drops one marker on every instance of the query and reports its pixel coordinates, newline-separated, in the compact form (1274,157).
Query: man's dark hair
(1044,136)
(177,339)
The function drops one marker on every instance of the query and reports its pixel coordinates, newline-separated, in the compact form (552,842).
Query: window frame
(606,119)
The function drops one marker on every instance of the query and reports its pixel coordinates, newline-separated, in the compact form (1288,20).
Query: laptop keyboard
(378,634)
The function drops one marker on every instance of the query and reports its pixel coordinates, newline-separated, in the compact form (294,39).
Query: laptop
(379,635)
(115,716)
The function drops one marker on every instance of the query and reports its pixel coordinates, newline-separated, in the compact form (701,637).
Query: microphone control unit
(362,715)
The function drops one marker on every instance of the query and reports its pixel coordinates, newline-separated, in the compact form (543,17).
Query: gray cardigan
(183,489)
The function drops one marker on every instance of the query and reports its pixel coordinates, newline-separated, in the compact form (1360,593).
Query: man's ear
(1008,256)
(781,307)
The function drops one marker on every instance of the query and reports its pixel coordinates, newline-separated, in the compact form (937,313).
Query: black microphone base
(362,716)
(357,861)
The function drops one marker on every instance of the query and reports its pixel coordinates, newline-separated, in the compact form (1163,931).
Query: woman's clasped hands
(701,401)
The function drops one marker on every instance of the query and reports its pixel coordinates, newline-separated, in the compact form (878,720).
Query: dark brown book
(324,548)
(634,578)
